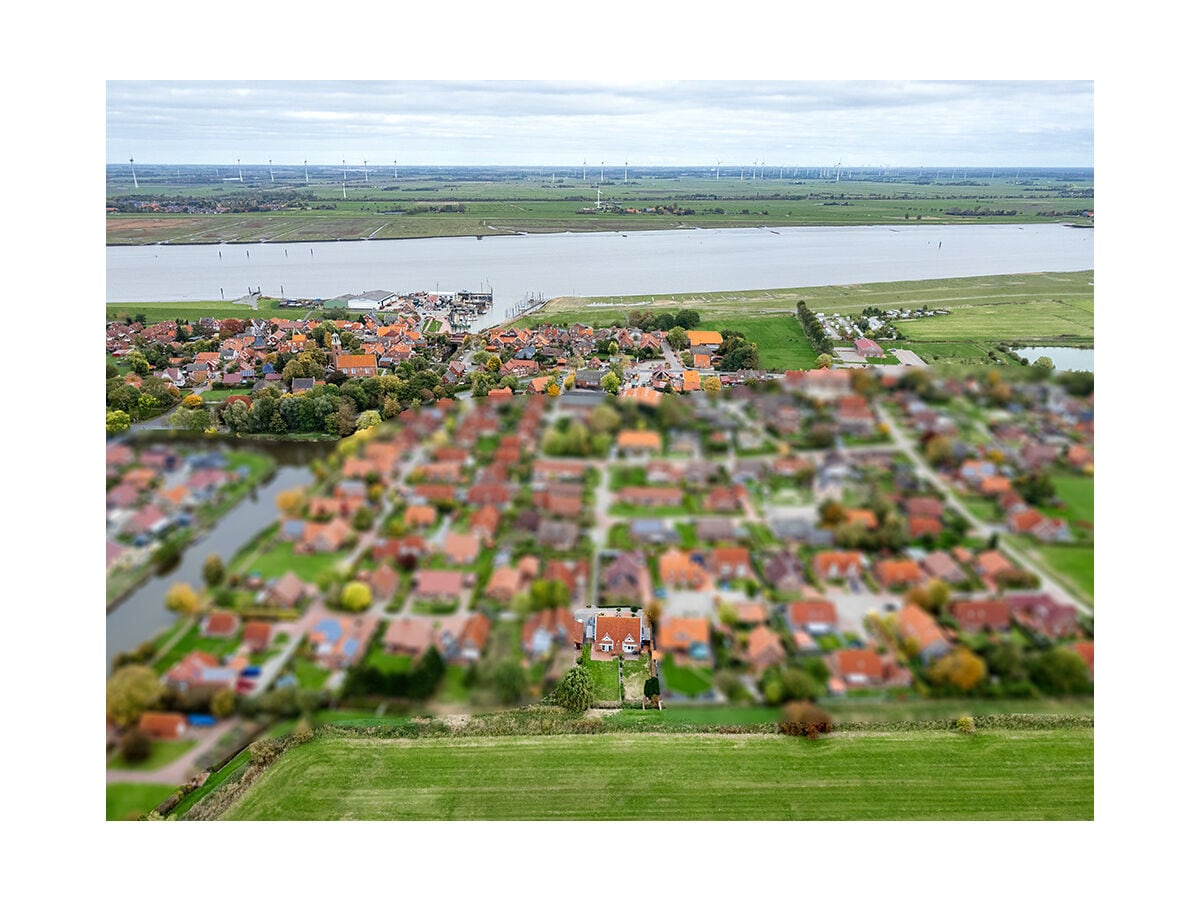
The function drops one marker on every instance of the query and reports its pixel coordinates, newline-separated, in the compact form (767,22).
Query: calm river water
(143,614)
(646,262)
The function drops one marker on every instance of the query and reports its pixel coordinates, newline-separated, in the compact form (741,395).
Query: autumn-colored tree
(712,385)
(824,361)
(553,390)
(959,668)
(356,597)
(130,692)
(223,703)
(290,502)
(182,599)
(214,570)
(939,449)
(805,720)
(191,401)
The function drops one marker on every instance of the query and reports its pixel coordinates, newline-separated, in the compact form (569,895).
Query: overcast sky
(859,123)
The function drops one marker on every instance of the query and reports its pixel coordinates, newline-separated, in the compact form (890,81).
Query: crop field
(1031,775)
(482,203)
(130,800)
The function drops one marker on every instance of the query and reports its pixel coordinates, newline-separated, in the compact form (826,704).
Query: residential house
(200,670)
(461,549)
(683,569)
(484,523)
(867,348)
(617,636)
(857,668)
(941,565)
(731,562)
(725,499)
(812,616)
(898,573)
(650,496)
(338,642)
(288,590)
(831,565)
(383,582)
(557,534)
(626,579)
(574,573)
(914,623)
(409,637)
(438,584)
(162,726)
(220,624)
(1043,614)
(784,573)
(638,443)
(977,615)
(357,365)
(256,636)
(716,529)
(504,584)
(687,639)
(764,649)
(420,516)
(992,564)
(461,639)
(550,628)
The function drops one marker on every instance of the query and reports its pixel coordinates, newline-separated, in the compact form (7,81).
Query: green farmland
(1030,775)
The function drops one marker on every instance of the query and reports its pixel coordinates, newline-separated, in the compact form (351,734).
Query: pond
(1065,359)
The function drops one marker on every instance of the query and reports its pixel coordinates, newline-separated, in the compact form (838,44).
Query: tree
(214,570)
(553,390)
(651,688)
(290,502)
(939,449)
(712,385)
(182,599)
(727,614)
(1060,670)
(678,338)
(938,593)
(824,361)
(135,746)
(138,363)
(116,421)
(509,680)
(611,382)
(547,594)
(356,596)
(604,419)
(1044,362)
(368,419)
(191,401)
(130,692)
(960,668)
(575,689)
(223,703)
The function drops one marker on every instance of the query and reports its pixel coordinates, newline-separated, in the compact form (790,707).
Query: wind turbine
(271,171)
(242,180)
(365,178)
(602,171)
(395,170)
(306,171)
(343,171)
(134,171)
(626,171)
(837,172)
(718,170)
(585,169)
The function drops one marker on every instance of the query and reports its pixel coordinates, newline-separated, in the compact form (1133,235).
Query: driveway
(182,769)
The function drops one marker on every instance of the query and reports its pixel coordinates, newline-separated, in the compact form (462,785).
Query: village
(503,507)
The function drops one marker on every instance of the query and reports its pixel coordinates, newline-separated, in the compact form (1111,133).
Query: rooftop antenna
(240,178)
(271,171)
(306,171)
(134,171)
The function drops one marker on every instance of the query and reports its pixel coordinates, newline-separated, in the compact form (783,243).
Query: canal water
(601,264)
(142,614)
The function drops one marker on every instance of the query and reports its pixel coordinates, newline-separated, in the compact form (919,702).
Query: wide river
(604,264)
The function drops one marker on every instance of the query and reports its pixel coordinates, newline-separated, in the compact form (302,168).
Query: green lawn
(454,686)
(699,715)
(131,800)
(161,753)
(281,558)
(1001,775)
(606,681)
(1078,492)
(782,343)
(388,662)
(309,675)
(1076,564)
(219,647)
(685,679)
(193,310)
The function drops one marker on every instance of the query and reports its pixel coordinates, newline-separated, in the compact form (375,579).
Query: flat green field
(191,311)
(1077,564)
(133,799)
(1003,775)
(1079,493)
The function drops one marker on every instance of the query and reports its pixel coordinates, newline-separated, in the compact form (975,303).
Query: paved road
(182,769)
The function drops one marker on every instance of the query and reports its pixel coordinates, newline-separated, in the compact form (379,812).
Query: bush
(135,746)
(965,724)
(805,720)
